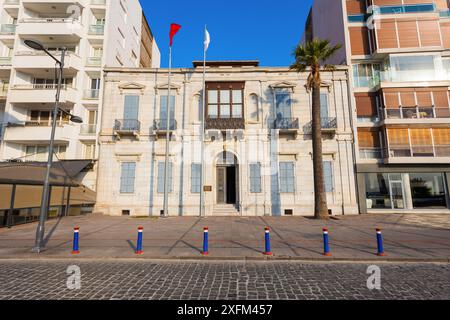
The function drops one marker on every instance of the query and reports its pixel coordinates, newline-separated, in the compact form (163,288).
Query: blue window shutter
(127,177)
(163,107)
(324,105)
(255,177)
(287,178)
(328,175)
(160,185)
(131,108)
(195,177)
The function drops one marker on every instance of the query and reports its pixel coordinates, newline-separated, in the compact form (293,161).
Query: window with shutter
(128,174)
(287,177)
(160,186)
(328,175)
(255,177)
(196,169)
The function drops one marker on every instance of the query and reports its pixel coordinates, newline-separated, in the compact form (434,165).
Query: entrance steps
(226,210)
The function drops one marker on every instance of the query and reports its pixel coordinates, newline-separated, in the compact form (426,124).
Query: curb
(233,259)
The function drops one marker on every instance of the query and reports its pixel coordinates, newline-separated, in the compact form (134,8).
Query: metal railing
(327,124)
(50,20)
(40,86)
(161,124)
(286,123)
(402,151)
(88,129)
(96,29)
(94,61)
(417,112)
(91,94)
(370,153)
(8,29)
(130,125)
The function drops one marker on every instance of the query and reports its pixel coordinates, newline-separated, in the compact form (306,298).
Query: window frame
(221,87)
(288,177)
(252,178)
(127,191)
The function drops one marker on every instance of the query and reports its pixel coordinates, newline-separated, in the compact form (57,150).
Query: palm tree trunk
(320,197)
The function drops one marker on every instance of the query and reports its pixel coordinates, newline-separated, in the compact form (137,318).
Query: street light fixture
(39,244)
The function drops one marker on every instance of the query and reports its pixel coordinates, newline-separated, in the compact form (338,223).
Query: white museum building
(257,146)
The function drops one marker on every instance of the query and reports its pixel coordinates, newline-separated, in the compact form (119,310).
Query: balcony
(34,60)
(415,75)
(127,127)
(286,124)
(41,93)
(94,61)
(88,129)
(32,132)
(417,154)
(71,29)
(4,90)
(160,125)
(329,125)
(96,30)
(5,61)
(366,82)
(11,2)
(415,114)
(370,153)
(91,94)
(8,29)
(224,123)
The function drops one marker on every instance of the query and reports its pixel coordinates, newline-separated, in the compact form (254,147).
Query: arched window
(253,107)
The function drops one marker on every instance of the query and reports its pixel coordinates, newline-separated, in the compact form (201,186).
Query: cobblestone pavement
(133,279)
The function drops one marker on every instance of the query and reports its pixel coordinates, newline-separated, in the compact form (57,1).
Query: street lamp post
(39,245)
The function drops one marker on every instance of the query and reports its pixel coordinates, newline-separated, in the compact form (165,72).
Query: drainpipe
(350,105)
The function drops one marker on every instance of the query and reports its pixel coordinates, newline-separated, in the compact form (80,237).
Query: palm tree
(312,56)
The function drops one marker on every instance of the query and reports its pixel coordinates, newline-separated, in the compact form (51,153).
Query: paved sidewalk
(406,238)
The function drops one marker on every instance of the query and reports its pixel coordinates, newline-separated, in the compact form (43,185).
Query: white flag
(207,39)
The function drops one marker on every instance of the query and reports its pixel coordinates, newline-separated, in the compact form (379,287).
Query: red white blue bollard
(326,245)
(380,243)
(76,237)
(267,251)
(205,251)
(139,241)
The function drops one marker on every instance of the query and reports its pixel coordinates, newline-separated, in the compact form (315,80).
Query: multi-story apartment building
(96,33)
(258,150)
(399,52)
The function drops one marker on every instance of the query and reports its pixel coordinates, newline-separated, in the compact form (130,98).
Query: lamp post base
(38,250)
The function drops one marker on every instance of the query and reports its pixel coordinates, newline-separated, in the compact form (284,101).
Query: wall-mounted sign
(207,188)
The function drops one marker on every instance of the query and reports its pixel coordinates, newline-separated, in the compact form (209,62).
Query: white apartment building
(96,33)
(258,150)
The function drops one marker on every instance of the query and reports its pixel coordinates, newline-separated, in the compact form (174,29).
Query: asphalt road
(134,280)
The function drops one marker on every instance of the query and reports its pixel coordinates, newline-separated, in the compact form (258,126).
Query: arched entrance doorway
(227,178)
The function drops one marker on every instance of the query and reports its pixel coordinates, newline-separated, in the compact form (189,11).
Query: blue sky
(240,29)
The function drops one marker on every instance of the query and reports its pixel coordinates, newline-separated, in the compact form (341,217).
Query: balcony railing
(8,29)
(41,86)
(94,61)
(91,94)
(127,125)
(5,61)
(224,123)
(286,124)
(370,153)
(415,75)
(161,124)
(417,151)
(417,113)
(366,82)
(88,129)
(98,2)
(50,20)
(12,2)
(327,124)
(96,29)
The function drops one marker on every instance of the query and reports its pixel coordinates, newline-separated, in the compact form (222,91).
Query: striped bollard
(205,241)
(326,245)
(76,237)
(139,241)
(267,252)
(380,243)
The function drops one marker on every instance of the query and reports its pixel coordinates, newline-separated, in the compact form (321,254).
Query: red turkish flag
(174,28)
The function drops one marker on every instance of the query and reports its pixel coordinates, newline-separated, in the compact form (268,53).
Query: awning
(62,173)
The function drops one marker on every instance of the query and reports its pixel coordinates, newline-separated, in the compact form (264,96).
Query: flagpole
(166,163)
(202,174)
